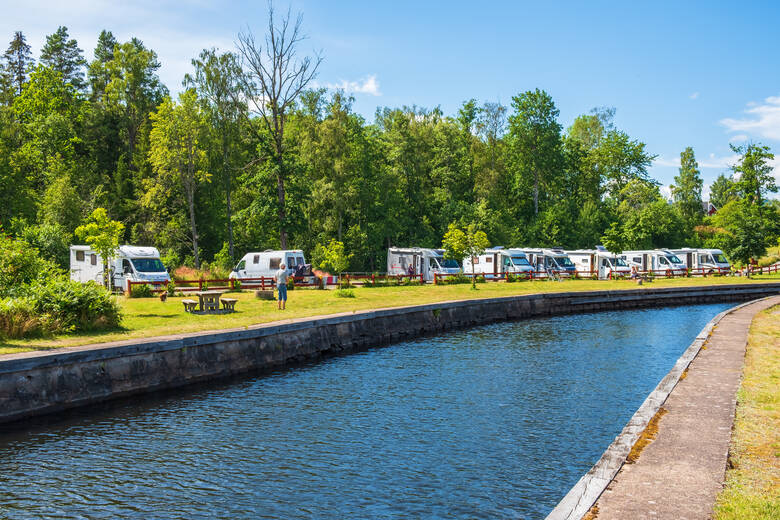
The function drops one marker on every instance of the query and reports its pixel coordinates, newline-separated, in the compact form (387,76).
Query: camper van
(708,260)
(266,263)
(599,261)
(419,260)
(550,260)
(130,264)
(497,262)
(661,261)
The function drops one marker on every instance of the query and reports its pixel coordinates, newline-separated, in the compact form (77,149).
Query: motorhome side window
(291,261)
(476,260)
(126,266)
(274,263)
(300,260)
(79,256)
(241,265)
(432,263)
(637,260)
(489,260)
(256,259)
(93,259)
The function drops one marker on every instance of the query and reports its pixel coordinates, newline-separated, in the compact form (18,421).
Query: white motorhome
(419,260)
(266,263)
(497,262)
(130,264)
(708,260)
(598,261)
(550,260)
(661,261)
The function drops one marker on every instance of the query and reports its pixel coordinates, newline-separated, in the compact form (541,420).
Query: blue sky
(698,74)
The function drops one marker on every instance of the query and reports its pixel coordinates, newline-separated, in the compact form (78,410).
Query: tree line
(250,156)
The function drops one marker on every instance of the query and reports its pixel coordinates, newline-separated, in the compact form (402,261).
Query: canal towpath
(680,473)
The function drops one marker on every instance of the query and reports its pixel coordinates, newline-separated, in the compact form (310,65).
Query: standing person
(281,285)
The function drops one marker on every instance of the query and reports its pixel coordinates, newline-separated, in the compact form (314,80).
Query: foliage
(686,190)
(51,241)
(459,244)
(141,291)
(344,293)
(20,266)
(75,306)
(331,258)
(170,289)
(102,234)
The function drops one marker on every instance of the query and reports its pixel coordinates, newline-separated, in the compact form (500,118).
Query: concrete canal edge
(586,492)
(41,382)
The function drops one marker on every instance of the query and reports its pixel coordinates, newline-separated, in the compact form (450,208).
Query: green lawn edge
(149,317)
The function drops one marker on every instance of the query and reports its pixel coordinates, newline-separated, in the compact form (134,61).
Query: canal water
(493,422)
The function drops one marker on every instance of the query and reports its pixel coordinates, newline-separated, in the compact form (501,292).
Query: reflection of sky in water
(493,422)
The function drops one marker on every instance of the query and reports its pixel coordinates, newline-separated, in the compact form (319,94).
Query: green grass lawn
(753,482)
(148,317)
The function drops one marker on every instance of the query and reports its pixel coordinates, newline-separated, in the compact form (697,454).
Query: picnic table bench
(189,305)
(229,304)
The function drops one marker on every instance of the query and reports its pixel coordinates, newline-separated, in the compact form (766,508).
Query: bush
(20,266)
(345,293)
(768,260)
(511,278)
(459,278)
(290,283)
(141,291)
(73,306)
(19,319)
(171,287)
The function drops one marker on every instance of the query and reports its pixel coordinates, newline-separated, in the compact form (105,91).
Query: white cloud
(662,161)
(711,161)
(738,138)
(666,191)
(695,95)
(368,85)
(763,119)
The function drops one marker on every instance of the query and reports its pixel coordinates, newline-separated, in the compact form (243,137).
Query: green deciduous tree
(722,191)
(102,234)
(753,173)
(459,244)
(178,156)
(535,143)
(331,258)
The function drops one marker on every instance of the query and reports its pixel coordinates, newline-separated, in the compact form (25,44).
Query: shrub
(236,287)
(290,283)
(141,291)
(768,260)
(171,287)
(345,293)
(456,279)
(20,265)
(73,306)
(511,278)
(19,319)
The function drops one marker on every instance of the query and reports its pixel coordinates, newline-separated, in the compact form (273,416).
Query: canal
(497,421)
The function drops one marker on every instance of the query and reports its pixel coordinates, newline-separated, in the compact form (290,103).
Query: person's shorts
(282,292)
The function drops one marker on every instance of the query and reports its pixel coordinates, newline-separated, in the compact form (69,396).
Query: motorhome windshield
(674,259)
(617,262)
(520,260)
(148,265)
(720,259)
(449,264)
(563,261)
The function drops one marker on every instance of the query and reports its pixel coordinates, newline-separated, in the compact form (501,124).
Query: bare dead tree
(273,78)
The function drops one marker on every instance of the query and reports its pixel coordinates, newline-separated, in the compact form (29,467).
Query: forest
(252,155)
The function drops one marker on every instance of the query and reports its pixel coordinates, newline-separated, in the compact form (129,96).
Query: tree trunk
(536,193)
(280,194)
(191,204)
(226,174)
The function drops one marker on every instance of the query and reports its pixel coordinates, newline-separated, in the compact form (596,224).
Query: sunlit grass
(753,483)
(148,317)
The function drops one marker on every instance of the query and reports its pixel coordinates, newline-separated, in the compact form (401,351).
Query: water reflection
(493,422)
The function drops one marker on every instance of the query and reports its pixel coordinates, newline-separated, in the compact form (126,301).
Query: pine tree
(18,60)
(64,56)
(98,73)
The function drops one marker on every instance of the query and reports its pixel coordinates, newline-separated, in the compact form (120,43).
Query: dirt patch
(647,436)
(592,513)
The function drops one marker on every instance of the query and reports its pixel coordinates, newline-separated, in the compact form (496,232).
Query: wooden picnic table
(209,300)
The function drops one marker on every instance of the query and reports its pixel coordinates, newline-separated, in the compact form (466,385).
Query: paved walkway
(679,475)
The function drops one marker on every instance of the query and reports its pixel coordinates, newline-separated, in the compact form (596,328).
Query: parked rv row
(143,264)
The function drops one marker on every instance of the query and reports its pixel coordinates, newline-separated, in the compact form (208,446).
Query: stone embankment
(36,383)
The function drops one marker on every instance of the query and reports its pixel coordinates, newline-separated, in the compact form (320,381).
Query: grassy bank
(148,317)
(753,483)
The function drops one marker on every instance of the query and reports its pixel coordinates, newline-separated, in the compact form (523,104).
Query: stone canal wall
(36,383)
